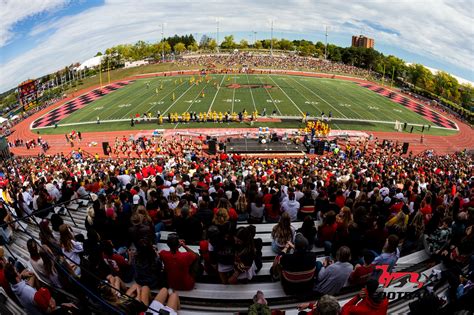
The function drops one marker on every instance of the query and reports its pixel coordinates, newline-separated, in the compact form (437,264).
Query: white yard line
(251,93)
(310,102)
(286,95)
(168,94)
(271,98)
(194,100)
(317,109)
(217,92)
(177,99)
(322,99)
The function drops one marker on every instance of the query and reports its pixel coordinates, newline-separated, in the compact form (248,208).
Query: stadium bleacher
(218,298)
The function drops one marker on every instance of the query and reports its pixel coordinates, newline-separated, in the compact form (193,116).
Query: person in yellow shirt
(200,117)
(160,120)
(214,116)
(234,116)
(220,116)
(204,117)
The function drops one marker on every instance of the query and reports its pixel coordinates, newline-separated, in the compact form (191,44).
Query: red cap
(42,298)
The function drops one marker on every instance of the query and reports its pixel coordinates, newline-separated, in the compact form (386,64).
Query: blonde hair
(221,216)
(66,237)
(241,205)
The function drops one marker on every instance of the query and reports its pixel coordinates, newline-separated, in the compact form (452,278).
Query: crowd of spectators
(281,62)
(369,208)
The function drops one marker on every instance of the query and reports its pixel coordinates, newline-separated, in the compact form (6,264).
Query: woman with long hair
(282,233)
(116,293)
(147,264)
(413,235)
(50,270)
(224,203)
(221,217)
(71,248)
(46,236)
(343,219)
(244,262)
(241,207)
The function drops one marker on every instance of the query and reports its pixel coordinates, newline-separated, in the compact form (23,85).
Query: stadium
(274,177)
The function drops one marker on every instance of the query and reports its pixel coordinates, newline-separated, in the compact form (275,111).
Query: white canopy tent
(90,63)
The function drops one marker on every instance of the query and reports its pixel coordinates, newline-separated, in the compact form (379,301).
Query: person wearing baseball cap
(35,302)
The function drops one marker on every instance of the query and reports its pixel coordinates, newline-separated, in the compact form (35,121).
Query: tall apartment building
(362,41)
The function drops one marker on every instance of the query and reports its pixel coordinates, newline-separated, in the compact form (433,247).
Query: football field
(282,95)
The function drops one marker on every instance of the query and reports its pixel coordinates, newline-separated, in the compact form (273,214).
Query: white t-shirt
(74,253)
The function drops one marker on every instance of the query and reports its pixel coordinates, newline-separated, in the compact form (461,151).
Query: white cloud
(441,30)
(14,11)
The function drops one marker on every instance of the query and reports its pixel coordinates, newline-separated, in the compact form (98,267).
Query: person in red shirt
(361,273)
(327,232)
(340,199)
(117,263)
(369,300)
(178,265)
(426,209)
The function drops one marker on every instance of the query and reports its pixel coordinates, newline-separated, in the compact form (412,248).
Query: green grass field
(284,94)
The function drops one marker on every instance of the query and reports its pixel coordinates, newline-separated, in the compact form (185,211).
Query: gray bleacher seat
(11,306)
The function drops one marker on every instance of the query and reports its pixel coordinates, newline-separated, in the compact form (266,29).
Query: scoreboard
(27,93)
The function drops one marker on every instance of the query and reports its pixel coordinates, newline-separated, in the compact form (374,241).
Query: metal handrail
(45,210)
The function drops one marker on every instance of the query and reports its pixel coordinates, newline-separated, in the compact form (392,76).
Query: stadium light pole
(162,42)
(108,68)
(254,39)
(271,41)
(326,46)
(217,34)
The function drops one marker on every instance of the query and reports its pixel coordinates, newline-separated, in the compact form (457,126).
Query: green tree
(334,54)
(179,48)
(285,44)
(212,45)
(243,44)
(393,63)
(258,45)
(157,49)
(193,47)
(141,50)
(415,72)
(467,95)
(228,42)
(98,54)
(306,49)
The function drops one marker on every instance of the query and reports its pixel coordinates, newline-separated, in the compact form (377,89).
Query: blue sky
(41,36)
